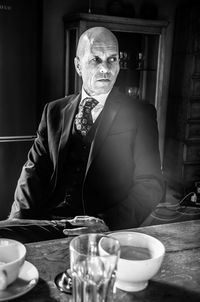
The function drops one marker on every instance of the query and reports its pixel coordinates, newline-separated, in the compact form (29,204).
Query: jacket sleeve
(31,190)
(147,188)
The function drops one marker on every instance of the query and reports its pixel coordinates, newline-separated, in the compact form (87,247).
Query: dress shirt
(101,99)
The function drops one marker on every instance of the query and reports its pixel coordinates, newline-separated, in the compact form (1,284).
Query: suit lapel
(68,117)
(108,115)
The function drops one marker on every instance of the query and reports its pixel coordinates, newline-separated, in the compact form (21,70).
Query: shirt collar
(101,98)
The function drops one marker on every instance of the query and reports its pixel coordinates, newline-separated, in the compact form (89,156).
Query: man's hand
(85,224)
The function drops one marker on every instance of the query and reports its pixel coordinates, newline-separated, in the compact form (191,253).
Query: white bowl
(132,273)
(12,257)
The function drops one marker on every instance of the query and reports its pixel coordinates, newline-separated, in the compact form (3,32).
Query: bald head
(98,36)
(97,60)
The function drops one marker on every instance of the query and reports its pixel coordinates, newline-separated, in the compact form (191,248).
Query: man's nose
(104,68)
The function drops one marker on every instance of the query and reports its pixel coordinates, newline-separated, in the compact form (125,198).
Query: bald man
(96,152)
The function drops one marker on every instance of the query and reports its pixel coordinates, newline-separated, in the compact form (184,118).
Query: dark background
(32,73)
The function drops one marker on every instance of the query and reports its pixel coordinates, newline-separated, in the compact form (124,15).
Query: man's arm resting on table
(132,211)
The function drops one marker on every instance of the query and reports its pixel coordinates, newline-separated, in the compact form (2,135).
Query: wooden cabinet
(143,58)
(182,156)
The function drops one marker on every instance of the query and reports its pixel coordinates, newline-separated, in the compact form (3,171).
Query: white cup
(12,257)
(140,259)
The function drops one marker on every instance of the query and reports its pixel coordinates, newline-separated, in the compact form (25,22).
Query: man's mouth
(104,80)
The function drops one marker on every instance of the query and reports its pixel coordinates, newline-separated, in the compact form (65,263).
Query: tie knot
(89,103)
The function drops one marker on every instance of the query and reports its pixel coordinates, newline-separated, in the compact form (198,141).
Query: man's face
(98,66)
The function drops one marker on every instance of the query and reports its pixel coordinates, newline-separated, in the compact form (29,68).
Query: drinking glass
(93,264)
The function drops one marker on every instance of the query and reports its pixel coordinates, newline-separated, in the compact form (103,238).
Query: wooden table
(177,280)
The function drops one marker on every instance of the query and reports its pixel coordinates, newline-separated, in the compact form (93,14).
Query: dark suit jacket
(123,180)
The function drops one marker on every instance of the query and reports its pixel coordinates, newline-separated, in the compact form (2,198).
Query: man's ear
(77,66)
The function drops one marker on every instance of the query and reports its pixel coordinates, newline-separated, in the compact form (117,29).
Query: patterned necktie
(83,120)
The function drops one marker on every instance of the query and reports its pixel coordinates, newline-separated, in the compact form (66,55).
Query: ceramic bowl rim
(143,235)
(22,252)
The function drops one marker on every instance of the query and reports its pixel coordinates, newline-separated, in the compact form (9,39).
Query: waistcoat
(75,166)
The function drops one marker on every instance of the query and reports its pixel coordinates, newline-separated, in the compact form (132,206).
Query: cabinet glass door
(138,65)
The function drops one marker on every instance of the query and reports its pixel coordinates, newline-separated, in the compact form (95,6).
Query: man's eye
(96,60)
(112,60)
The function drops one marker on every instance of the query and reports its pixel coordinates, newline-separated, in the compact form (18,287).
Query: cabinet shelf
(196,76)
(193,121)
(194,99)
(146,69)
(187,163)
(190,142)
(137,69)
